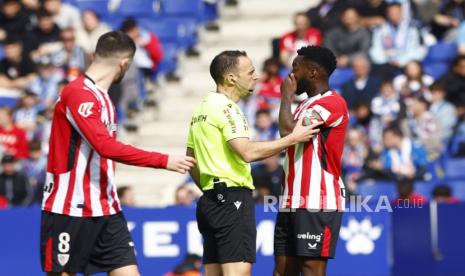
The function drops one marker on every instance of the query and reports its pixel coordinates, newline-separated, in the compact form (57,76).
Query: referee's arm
(194,171)
(252,151)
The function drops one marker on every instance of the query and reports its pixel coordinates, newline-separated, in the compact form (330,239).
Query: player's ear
(230,79)
(125,63)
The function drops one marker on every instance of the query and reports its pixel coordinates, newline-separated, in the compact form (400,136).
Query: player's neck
(317,88)
(102,75)
(228,92)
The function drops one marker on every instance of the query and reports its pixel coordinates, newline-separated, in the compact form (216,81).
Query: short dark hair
(438,86)
(122,190)
(442,190)
(128,24)
(114,42)
(223,63)
(320,55)
(43,13)
(394,129)
(35,145)
(458,59)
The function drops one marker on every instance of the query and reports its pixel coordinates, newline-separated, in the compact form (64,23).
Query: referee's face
(246,77)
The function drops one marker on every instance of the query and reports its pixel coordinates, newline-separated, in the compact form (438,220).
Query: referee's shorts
(228,229)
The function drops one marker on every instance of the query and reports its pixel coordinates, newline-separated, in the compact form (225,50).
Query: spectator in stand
(31,6)
(14,185)
(190,266)
(70,57)
(269,88)
(16,69)
(395,43)
(149,51)
(424,127)
(402,158)
(44,125)
(348,40)
(442,110)
(353,157)
(408,198)
(93,28)
(455,84)
(44,39)
(265,129)
(364,87)
(447,20)
(12,138)
(372,12)
(64,14)
(327,14)
(13,19)
(386,109)
(361,116)
(126,196)
(443,194)
(47,83)
(34,168)
(267,177)
(185,196)
(414,82)
(303,35)
(461,39)
(25,116)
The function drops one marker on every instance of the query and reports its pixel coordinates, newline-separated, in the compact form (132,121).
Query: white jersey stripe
(48,181)
(315,186)
(330,195)
(62,189)
(299,150)
(285,192)
(78,193)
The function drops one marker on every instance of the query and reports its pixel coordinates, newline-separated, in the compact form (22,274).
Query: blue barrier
(370,243)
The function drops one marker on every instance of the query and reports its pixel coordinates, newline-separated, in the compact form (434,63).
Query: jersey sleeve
(83,111)
(233,123)
(329,110)
(190,141)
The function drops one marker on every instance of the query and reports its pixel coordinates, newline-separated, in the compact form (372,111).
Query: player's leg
(286,266)
(59,274)
(213,270)
(237,269)
(130,270)
(313,266)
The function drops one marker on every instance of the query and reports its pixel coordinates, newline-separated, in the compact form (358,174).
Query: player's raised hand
(303,133)
(289,85)
(180,163)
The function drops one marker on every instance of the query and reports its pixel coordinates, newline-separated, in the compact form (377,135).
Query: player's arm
(194,171)
(253,151)
(83,112)
(286,119)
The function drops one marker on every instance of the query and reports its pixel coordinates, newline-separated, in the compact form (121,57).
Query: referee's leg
(237,269)
(130,270)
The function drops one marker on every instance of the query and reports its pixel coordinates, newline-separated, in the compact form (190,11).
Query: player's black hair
(438,86)
(115,42)
(223,63)
(442,190)
(321,56)
(43,13)
(128,24)
(12,39)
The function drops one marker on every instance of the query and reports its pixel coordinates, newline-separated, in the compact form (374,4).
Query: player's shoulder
(78,91)
(332,98)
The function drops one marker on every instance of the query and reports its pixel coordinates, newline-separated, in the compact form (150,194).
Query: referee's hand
(180,163)
(302,133)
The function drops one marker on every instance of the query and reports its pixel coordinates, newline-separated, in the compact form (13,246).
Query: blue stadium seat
(2,53)
(425,188)
(340,76)
(377,189)
(170,59)
(436,69)
(458,188)
(172,30)
(185,8)
(99,6)
(444,52)
(455,168)
(9,101)
(136,8)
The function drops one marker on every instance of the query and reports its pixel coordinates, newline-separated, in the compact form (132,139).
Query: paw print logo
(360,236)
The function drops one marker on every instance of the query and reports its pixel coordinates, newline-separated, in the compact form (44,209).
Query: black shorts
(85,244)
(228,229)
(307,234)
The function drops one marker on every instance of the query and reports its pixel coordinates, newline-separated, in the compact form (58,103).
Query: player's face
(246,78)
(300,71)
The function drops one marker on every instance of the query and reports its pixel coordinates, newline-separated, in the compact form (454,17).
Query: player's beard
(303,86)
(118,78)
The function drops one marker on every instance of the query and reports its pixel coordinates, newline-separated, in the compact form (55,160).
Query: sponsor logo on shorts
(312,246)
(237,204)
(308,236)
(63,259)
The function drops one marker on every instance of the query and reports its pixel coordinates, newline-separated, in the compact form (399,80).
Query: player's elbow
(247,156)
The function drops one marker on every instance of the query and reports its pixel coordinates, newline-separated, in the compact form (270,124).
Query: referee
(219,140)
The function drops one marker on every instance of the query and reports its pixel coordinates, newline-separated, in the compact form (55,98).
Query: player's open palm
(180,163)
(303,133)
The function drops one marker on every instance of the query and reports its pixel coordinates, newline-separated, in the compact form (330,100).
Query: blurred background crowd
(401,69)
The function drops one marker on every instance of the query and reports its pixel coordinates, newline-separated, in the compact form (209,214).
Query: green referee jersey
(214,122)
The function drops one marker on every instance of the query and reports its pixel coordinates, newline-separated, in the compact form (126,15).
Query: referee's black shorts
(228,229)
(304,233)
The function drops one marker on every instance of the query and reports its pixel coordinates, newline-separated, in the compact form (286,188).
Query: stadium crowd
(401,69)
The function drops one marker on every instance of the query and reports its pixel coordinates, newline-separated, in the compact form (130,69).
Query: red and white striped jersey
(83,145)
(313,169)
